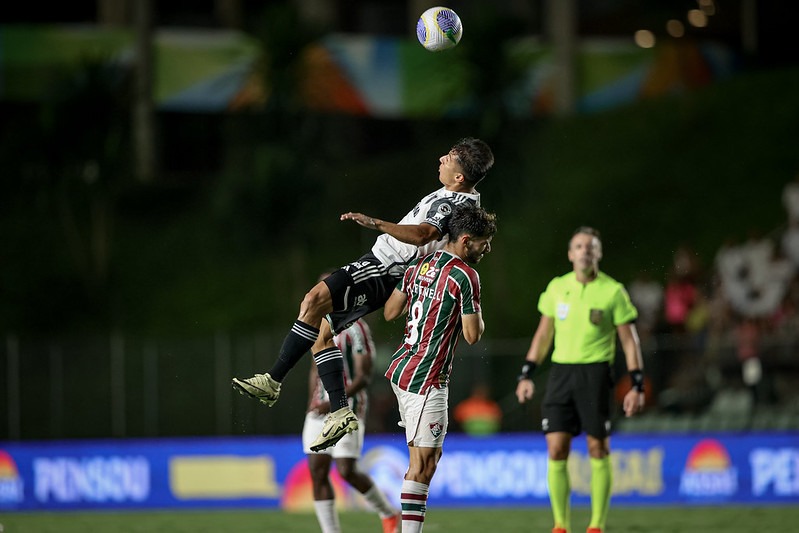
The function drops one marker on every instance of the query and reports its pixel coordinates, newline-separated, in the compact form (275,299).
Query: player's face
(585,251)
(476,248)
(449,168)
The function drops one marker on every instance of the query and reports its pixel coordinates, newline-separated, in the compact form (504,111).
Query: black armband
(637,377)
(527,371)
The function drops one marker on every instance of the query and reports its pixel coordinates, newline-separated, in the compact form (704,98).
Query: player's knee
(316,302)
(319,474)
(311,301)
(558,453)
(425,471)
(347,472)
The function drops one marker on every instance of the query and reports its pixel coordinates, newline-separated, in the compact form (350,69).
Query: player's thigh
(425,416)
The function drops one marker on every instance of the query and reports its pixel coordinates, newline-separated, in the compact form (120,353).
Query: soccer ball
(439,28)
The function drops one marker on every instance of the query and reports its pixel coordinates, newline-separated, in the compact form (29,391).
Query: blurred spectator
(748,336)
(681,293)
(678,299)
(647,295)
(753,278)
(790,200)
(790,244)
(479,415)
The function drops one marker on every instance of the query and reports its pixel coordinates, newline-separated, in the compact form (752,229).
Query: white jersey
(434,209)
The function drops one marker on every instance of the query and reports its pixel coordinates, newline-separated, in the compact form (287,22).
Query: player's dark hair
(469,219)
(475,158)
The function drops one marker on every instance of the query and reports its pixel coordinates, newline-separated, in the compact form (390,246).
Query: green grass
(622,520)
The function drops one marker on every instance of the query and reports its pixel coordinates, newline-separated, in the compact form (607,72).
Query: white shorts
(349,447)
(424,416)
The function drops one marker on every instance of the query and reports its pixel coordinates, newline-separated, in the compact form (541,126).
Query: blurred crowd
(730,324)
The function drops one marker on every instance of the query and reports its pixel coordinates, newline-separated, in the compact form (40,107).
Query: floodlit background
(172,175)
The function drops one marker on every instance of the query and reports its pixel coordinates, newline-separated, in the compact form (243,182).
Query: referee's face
(585,251)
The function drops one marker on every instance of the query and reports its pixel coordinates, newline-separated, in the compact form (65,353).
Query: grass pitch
(533,520)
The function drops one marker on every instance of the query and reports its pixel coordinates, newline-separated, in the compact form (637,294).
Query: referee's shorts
(578,399)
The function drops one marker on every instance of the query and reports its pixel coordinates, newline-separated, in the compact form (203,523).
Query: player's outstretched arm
(416,234)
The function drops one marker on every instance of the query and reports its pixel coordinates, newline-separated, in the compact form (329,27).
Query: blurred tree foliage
(65,165)
(233,244)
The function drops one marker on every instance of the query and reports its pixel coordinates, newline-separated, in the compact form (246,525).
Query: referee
(581,312)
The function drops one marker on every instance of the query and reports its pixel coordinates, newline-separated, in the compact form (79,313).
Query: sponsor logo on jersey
(360,300)
(562,311)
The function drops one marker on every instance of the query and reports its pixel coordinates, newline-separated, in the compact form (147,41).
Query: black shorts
(357,289)
(578,399)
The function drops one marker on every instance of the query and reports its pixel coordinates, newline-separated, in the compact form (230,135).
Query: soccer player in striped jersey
(440,292)
(363,286)
(582,312)
(358,349)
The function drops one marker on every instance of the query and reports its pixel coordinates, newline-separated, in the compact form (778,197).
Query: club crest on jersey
(595,316)
(436,428)
(562,311)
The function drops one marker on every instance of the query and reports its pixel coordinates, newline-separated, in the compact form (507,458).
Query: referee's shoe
(337,424)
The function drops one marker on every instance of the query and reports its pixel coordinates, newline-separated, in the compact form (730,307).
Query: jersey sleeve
(623,309)
(470,292)
(546,302)
(438,215)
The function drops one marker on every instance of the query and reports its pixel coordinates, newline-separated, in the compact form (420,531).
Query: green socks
(559,493)
(601,481)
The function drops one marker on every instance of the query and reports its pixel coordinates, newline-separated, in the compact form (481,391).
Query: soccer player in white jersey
(358,349)
(364,285)
(441,294)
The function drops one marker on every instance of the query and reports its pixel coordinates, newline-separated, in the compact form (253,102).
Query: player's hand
(633,402)
(525,390)
(361,219)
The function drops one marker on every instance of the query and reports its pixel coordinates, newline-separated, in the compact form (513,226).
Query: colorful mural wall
(212,71)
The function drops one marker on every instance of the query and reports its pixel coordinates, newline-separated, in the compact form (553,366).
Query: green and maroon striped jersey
(440,287)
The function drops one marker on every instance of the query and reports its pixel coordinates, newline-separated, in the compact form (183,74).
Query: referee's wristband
(637,377)
(527,371)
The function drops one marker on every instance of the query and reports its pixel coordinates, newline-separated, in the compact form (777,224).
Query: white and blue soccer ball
(439,28)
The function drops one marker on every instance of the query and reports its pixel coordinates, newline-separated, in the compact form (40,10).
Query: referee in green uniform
(582,311)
